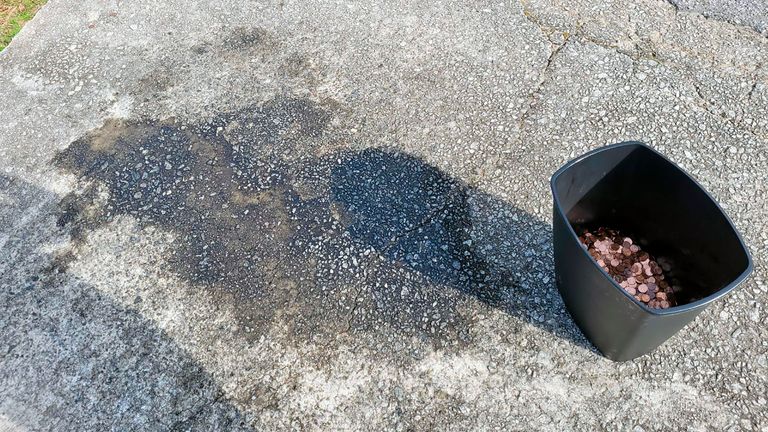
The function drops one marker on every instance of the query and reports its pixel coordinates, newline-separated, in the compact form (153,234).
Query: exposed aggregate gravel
(336,216)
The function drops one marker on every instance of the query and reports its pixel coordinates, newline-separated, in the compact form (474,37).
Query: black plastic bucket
(632,188)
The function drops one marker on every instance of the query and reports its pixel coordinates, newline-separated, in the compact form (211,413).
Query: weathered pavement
(321,216)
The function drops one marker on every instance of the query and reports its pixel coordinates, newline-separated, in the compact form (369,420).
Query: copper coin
(639,274)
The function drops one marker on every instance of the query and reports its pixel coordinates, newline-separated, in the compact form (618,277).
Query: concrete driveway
(241,215)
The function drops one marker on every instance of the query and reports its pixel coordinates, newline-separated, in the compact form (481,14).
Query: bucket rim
(675,310)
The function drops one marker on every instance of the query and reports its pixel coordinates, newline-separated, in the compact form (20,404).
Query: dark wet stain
(201,48)
(156,82)
(76,211)
(59,263)
(221,186)
(242,38)
(238,40)
(322,243)
(296,65)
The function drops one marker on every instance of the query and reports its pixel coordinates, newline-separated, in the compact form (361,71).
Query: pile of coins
(636,271)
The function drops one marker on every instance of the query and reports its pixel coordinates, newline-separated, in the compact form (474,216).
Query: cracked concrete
(748,13)
(314,216)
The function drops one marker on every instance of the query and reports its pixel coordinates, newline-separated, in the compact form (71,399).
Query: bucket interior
(633,189)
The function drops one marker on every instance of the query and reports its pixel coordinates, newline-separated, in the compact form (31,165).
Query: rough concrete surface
(242,215)
(753,13)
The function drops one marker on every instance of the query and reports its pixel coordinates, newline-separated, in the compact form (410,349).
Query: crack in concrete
(543,78)
(707,17)
(686,74)
(533,19)
(707,106)
(751,91)
(640,54)
(755,81)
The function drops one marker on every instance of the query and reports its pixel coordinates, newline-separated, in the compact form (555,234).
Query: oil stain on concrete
(370,242)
